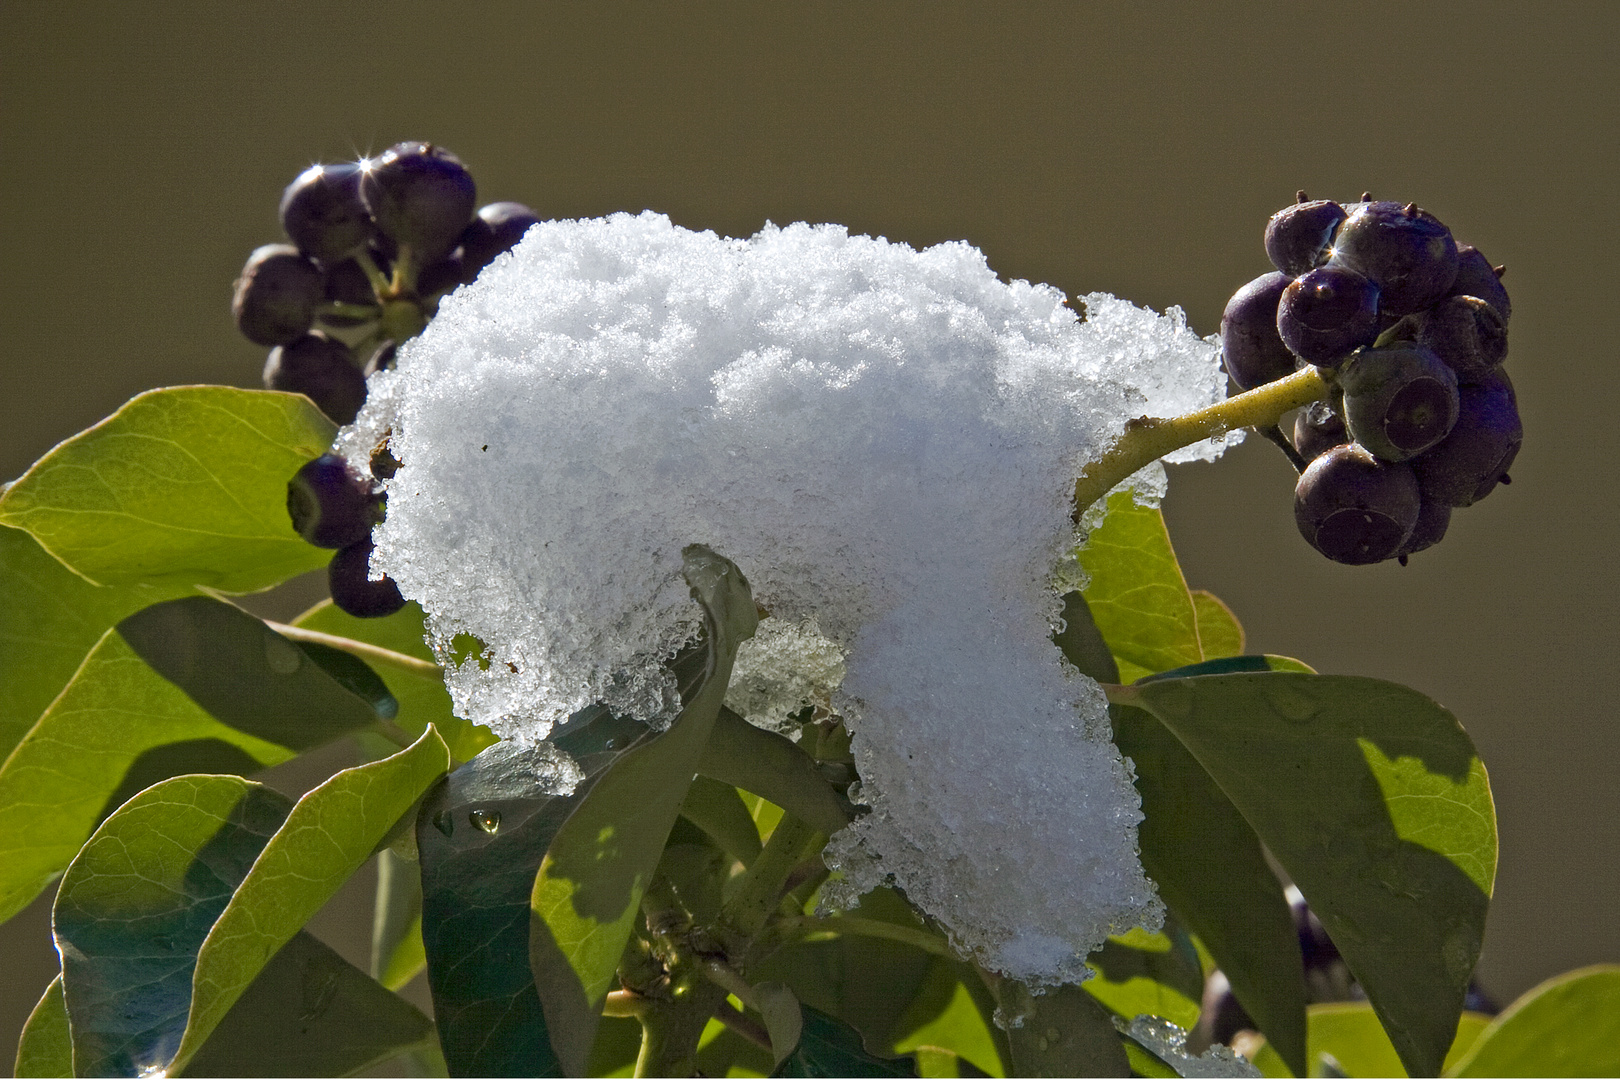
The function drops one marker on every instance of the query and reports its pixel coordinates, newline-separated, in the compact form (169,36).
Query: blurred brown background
(1126,147)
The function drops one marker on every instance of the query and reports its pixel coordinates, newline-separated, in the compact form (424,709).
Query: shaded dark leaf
(830,1047)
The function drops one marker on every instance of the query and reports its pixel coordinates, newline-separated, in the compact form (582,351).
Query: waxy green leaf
(46,1046)
(1202,854)
(1139,973)
(720,812)
(1065,1032)
(951,1012)
(182,486)
(830,1047)
(50,619)
(309,1012)
(1350,1034)
(246,675)
(480,836)
(328,835)
(773,766)
(1219,632)
(1567,1026)
(1137,596)
(115,720)
(396,928)
(138,902)
(422,698)
(591,882)
(1372,798)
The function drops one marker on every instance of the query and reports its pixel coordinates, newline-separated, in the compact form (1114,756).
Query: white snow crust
(885,441)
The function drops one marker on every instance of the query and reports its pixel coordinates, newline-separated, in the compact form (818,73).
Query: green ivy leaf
(137,903)
(1567,1026)
(246,675)
(1219,632)
(480,836)
(1137,596)
(774,767)
(182,486)
(309,1012)
(830,1047)
(1372,798)
(589,888)
(422,697)
(50,619)
(114,719)
(1349,1033)
(396,930)
(720,812)
(948,1015)
(1064,1032)
(1203,855)
(1139,973)
(328,835)
(46,1046)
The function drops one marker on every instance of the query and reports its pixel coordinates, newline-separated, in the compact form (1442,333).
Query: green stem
(809,927)
(379,282)
(1148,438)
(670,1032)
(754,900)
(364,650)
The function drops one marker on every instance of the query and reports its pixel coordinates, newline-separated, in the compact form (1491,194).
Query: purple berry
(1251,349)
(1399,400)
(1403,250)
(1328,314)
(1298,237)
(1467,464)
(276,296)
(1354,508)
(322,213)
(497,228)
(323,370)
(421,196)
(331,504)
(1466,332)
(1433,518)
(1317,429)
(441,277)
(382,359)
(349,578)
(1476,277)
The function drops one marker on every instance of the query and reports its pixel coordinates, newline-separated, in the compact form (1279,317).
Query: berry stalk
(1149,438)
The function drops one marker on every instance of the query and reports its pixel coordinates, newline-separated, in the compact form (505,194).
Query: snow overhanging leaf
(885,441)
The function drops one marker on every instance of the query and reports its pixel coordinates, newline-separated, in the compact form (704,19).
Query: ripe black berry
(1298,237)
(1433,518)
(1476,277)
(1327,314)
(1354,508)
(348,576)
(421,196)
(1251,349)
(1466,332)
(1403,250)
(1467,464)
(331,504)
(276,296)
(1399,400)
(1317,429)
(323,370)
(441,277)
(497,228)
(322,213)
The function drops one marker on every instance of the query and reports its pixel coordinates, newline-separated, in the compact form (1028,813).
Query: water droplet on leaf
(1291,704)
(282,655)
(487,820)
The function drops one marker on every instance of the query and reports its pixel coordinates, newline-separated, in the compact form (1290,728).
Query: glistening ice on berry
(421,196)
(1298,237)
(1327,314)
(1404,250)
(276,296)
(1317,429)
(1251,350)
(322,213)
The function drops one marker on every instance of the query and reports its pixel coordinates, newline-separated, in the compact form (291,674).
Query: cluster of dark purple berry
(1410,331)
(375,245)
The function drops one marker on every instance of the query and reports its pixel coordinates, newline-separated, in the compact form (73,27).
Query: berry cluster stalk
(1149,438)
